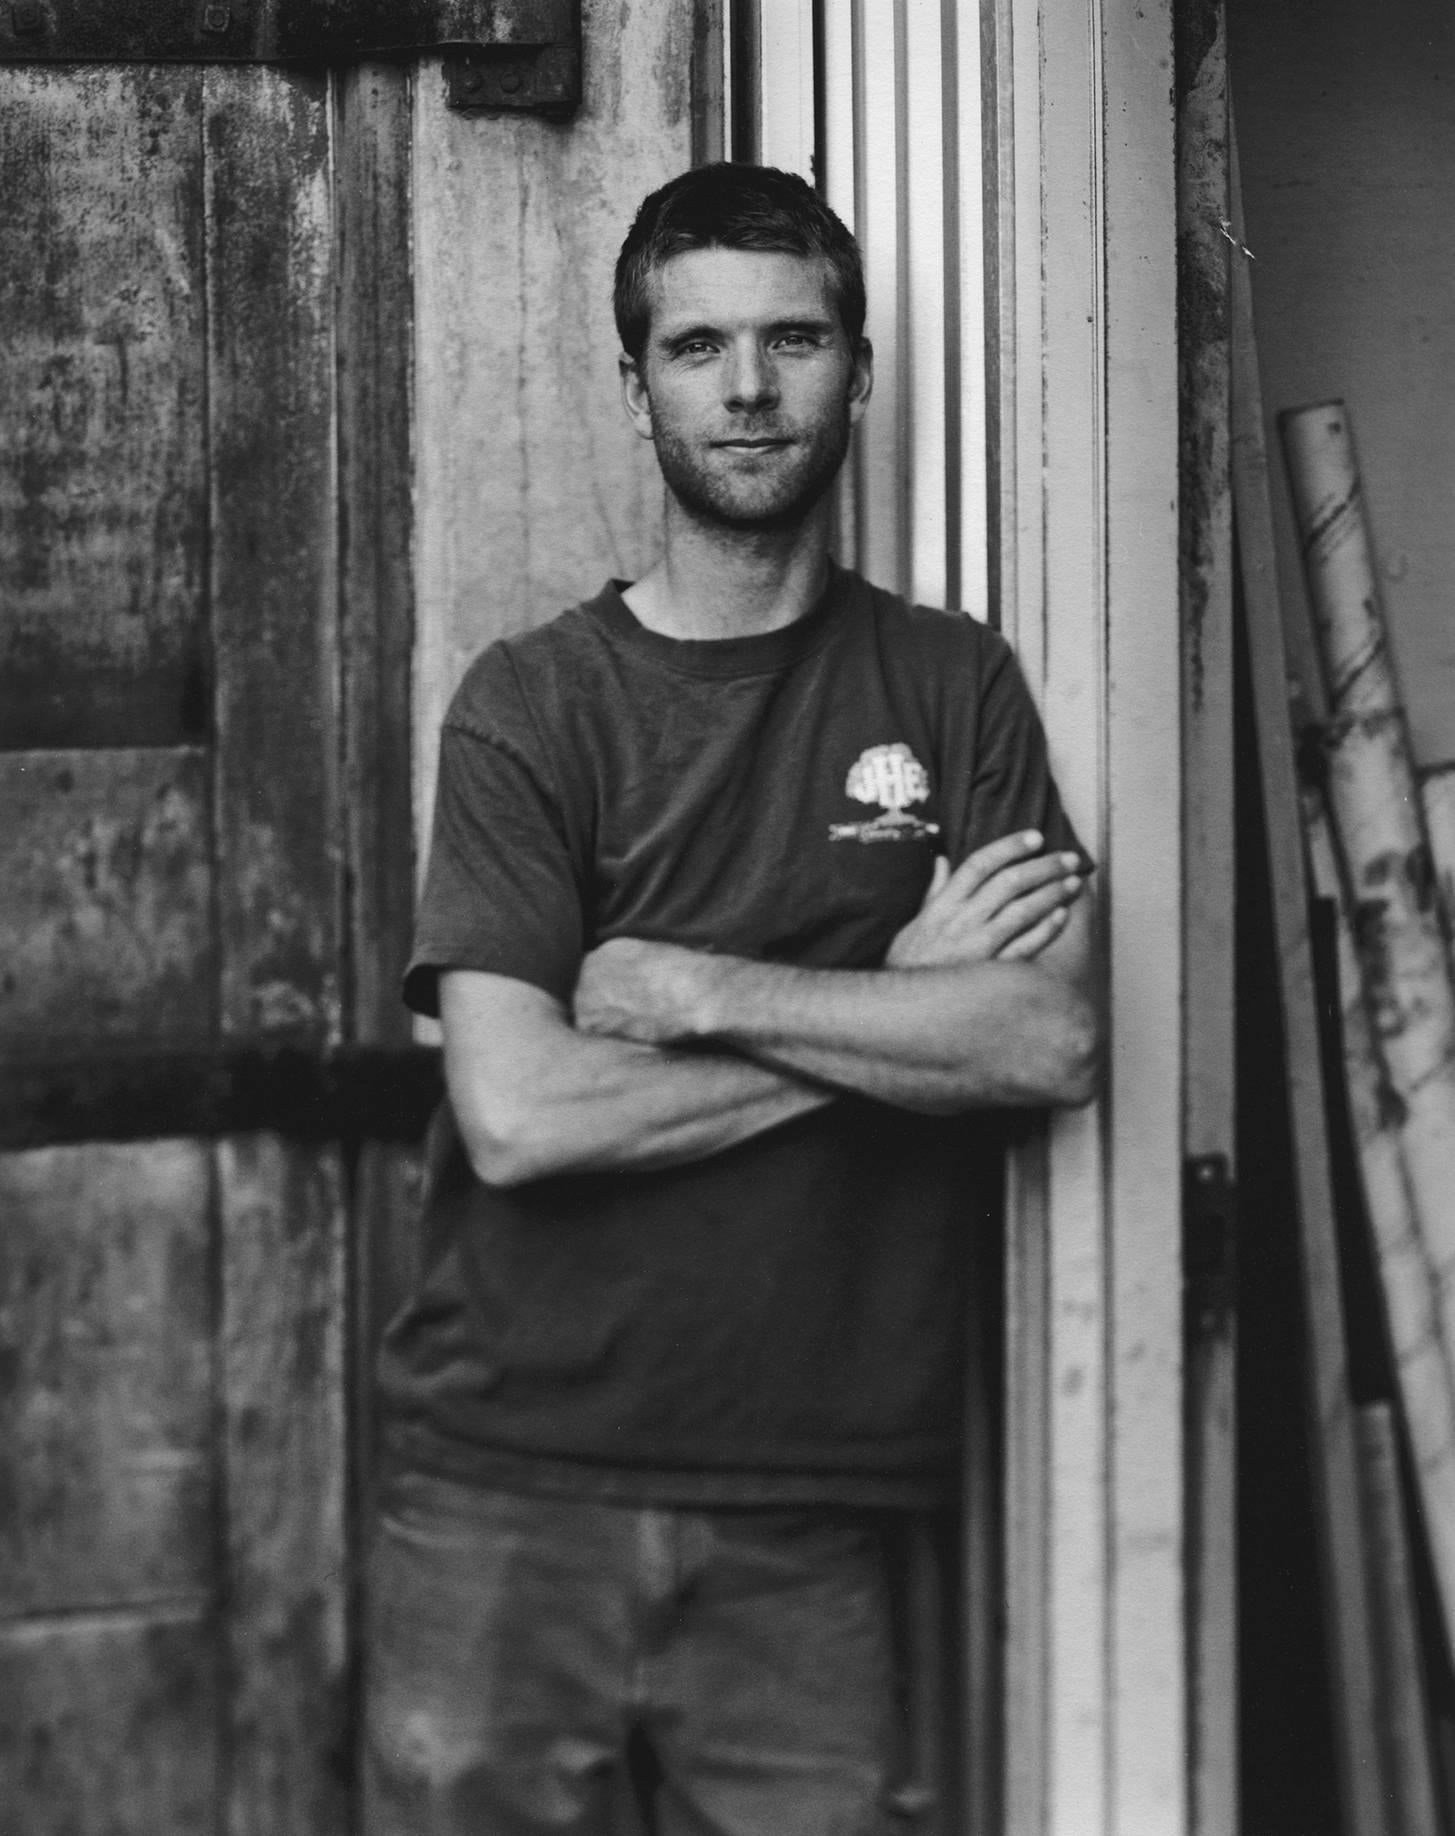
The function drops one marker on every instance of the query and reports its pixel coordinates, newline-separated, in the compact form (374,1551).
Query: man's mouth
(753,444)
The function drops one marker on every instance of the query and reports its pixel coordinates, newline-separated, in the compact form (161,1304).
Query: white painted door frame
(1084,393)
(1088,415)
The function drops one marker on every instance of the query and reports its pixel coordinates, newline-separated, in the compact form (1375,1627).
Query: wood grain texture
(274,576)
(104,926)
(282,1351)
(385,1226)
(376,586)
(1404,1720)
(531,487)
(109,1726)
(102,500)
(106,1342)
(1205,589)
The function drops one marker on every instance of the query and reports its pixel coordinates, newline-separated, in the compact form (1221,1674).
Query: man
(747,883)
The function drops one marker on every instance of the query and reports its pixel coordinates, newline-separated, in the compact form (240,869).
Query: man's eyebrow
(686,333)
(799,321)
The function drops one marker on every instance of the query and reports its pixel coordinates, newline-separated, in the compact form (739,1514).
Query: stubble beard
(747,502)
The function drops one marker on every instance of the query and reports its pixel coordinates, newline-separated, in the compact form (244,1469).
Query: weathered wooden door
(205,879)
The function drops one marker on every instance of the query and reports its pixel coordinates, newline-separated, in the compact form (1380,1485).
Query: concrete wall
(1346,127)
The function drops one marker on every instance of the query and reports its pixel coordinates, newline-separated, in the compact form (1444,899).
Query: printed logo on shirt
(894,778)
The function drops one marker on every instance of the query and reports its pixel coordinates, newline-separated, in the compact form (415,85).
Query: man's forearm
(571,1103)
(937,1039)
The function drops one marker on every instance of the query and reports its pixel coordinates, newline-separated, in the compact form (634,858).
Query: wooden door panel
(283,1354)
(109,1726)
(106,1415)
(274,577)
(102,490)
(105,926)
(199,373)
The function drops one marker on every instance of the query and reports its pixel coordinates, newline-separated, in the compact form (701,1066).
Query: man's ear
(634,396)
(861,380)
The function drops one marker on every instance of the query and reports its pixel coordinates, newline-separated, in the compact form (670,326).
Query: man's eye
(795,341)
(695,347)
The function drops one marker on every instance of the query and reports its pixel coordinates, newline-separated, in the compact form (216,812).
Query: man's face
(747,386)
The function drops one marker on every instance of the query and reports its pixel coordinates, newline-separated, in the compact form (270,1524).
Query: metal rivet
(474,81)
(510,81)
(27,20)
(216,18)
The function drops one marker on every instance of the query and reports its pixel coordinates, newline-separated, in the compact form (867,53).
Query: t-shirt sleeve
(1011,783)
(501,892)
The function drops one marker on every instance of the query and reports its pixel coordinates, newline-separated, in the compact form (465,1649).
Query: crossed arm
(667,1054)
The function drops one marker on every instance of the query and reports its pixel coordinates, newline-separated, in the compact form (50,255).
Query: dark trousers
(517,1645)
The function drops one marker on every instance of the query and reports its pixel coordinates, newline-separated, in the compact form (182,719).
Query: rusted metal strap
(516,54)
(354,1092)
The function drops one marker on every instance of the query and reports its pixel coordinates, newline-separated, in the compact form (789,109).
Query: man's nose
(751,381)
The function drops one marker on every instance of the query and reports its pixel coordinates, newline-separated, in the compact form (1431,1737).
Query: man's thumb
(937,878)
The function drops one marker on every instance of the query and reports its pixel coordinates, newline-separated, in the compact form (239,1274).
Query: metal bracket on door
(1209,1238)
(501,54)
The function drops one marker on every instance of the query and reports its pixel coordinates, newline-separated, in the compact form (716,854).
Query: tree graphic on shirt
(891,776)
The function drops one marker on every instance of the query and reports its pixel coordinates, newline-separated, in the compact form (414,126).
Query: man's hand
(1006,902)
(630,988)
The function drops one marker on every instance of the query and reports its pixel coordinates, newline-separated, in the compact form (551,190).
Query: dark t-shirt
(780,1322)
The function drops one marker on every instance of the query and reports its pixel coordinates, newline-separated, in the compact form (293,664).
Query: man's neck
(722,583)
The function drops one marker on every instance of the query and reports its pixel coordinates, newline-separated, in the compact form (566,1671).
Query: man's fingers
(977,868)
(1020,913)
(1031,942)
(1021,879)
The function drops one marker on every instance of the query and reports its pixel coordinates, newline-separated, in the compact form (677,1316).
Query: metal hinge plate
(515,54)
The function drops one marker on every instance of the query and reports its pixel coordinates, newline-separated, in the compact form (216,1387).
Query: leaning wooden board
(1334,1451)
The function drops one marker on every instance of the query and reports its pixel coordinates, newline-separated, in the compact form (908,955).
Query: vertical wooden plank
(837,178)
(106,1343)
(975,169)
(530,485)
(1205,488)
(109,1725)
(839,187)
(376,563)
(1147,1760)
(1068,673)
(282,1350)
(785,86)
(105,928)
(1088,421)
(1017,563)
(1404,1722)
(710,82)
(926,330)
(102,503)
(977,1741)
(1340,1551)
(384,1227)
(880,448)
(274,575)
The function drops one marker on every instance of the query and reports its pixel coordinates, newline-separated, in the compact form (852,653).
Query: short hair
(733,207)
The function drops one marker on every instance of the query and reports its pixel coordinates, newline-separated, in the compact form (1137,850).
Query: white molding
(925,259)
(785,85)
(881,443)
(1096,1742)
